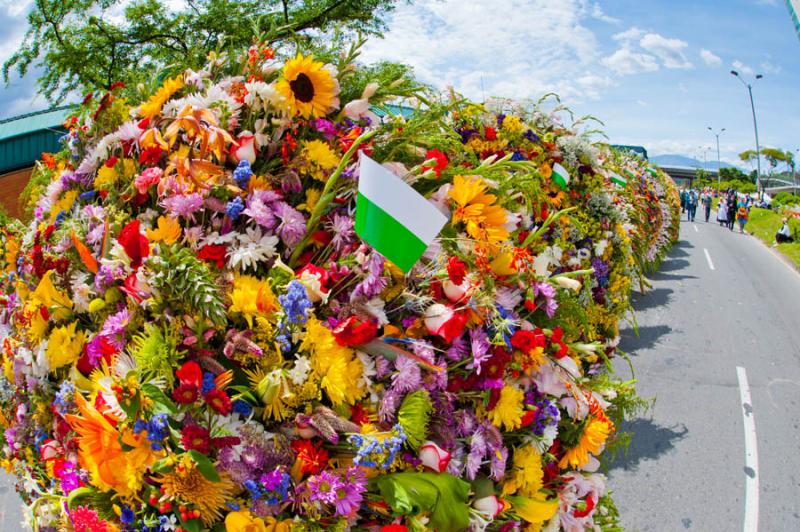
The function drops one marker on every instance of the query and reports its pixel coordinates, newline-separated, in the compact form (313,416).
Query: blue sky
(656,72)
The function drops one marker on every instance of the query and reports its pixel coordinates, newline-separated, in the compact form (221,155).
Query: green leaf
(163,403)
(77,494)
(204,465)
(443,496)
(131,406)
(161,466)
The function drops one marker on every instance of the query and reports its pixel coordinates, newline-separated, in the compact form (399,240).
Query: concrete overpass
(685,175)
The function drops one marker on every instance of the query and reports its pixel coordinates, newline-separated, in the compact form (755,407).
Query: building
(23,139)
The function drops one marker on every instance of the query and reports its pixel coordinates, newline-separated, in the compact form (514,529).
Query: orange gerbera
(484,220)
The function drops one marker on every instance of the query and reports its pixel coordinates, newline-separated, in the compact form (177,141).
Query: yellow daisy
(152,107)
(593,438)
(169,230)
(310,89)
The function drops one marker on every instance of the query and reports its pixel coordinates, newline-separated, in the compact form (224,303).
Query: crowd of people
(732,209)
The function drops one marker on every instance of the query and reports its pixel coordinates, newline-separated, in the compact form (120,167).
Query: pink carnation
(147,179)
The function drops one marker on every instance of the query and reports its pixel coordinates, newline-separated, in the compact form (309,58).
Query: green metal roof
(406,112)
(34,122)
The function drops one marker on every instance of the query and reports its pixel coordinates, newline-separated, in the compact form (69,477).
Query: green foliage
(414,416)
(764,223)
(442,495)
(785,198)
(733,174)
(155,353)
(186,284)
(85,44)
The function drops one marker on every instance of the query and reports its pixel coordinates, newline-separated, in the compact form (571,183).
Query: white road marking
(695,228)
(708,258)
(750,454)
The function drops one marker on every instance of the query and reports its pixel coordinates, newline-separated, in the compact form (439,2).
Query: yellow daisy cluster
(508,411)
(152,107)
(336,366)
(252,297)
(64,346)
(320,159)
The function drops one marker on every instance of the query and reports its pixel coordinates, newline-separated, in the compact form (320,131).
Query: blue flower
(87,196)
(295,302)
(242,407)
(208,383)
(127,516)
(234,208)
(242,174)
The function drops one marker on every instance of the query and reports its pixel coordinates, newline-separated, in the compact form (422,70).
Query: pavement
(721,301)
(686,468)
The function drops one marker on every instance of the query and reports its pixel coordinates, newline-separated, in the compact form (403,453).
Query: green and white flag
(652,171)
(560,176)
(629,173)
(392,217)
(618,179)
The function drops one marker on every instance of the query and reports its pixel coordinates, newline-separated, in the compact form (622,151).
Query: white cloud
(670,51)
(631,34)
(598,13)
(641,103)
(742,68)
(768,67)
(625,62)
(710,58)
(516,50)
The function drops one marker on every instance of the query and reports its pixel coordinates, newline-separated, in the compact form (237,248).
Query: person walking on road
(691,205)
(706,200)
(683,200)
(722,212)
(741,216)
(731,209)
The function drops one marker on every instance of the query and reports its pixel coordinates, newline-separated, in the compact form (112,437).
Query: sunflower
(310,88)
(187,484)
(152,107)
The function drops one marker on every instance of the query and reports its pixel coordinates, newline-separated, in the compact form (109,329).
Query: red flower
(186,394)
(556,342)
(196,437)
(219,401)
(150,156)
(353,331)
(491,134)
(394,528)
(214,253)
(190,373)
(441,163)
(453,327)
(527,341)
(358,414)
(116,85)
(111,162)
(312,457)
(456,270)
(134,243)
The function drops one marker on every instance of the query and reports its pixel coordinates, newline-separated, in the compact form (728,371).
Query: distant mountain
(673,159)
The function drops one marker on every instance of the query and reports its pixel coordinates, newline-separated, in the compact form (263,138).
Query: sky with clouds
(657,73)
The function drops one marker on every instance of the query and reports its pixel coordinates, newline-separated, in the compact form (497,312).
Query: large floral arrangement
(194,336)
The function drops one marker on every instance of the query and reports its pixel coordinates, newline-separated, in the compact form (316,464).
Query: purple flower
(408,376)
(292,228)
(458,348)
(548,292)
(259,210)
(351,491)
(497,464)
(374,283)
(323,487)
(325,127)
(184,205)
(343,234)
(479,343)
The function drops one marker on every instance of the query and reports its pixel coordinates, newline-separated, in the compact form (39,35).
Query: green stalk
(327,196)
(547,223)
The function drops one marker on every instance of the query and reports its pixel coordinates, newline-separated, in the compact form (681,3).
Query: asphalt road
(686,468)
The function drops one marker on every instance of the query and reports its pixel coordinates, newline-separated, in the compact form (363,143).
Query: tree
(733,174)
(774,156)
(80,44)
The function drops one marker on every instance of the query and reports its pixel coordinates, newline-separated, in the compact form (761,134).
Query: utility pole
(755,127)
(719,164)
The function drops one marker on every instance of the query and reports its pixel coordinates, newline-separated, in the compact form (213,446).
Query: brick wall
(11,185)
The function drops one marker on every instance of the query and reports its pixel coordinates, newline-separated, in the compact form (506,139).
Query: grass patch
(764,223)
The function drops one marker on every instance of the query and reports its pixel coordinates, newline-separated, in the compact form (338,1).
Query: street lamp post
(755,127)
(719,164)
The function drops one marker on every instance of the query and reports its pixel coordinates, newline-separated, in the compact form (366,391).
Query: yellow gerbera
(187,484)
(152,107)
(594,436)
(336,366)
(310,88)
